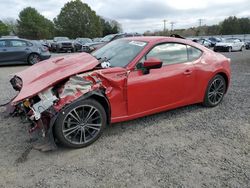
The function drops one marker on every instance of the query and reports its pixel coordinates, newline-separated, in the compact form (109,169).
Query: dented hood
(45,74)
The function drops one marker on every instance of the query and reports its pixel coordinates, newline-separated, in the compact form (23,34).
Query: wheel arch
(225,76)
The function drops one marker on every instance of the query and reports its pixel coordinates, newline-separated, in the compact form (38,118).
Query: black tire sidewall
(59,122)
(206,101)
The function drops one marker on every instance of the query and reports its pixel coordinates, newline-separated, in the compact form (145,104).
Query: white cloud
(141,15)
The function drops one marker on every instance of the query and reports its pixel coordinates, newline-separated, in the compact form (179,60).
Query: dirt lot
(188,147)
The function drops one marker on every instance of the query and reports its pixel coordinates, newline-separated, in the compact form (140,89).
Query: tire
(33,58)
(73,130)
(215,91)
(229,49)
(57,49)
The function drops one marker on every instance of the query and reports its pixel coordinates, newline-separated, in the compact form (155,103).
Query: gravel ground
(187,147)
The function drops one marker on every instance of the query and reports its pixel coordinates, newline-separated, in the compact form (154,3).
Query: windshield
(61,39)
(107,38)
(83,40)
(119,53)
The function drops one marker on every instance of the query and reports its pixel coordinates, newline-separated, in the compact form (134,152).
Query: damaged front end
(42,109)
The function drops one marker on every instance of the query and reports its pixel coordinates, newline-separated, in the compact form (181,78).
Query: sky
(141,15)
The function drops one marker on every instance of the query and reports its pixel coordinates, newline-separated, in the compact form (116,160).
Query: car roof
(159,39)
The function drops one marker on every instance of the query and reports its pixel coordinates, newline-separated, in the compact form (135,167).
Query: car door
(3,50)
(18,50)
(167,87)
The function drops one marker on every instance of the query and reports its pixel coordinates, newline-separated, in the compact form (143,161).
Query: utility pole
(164,22)
(172,26)
(200,22)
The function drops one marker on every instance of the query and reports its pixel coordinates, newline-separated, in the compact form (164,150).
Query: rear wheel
(81,124)
(215,91)
(33,59)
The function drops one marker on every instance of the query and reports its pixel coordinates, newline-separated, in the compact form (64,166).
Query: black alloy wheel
(81,123)
(215,91)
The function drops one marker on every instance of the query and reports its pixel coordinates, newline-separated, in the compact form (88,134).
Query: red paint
(131,93)
(47,73)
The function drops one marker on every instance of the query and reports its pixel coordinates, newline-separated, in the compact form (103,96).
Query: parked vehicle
(247,45)
(20,51)
(229,45)
(62,44)
(205,42)
(78,96)
(214,40)
(90,47)
(96,39)
(79,42)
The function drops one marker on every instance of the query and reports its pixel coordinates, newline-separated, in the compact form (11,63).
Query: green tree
(4,30)
(230,25)
(12,25)
(76,19)
(244,25)
(110,27)
(32,25)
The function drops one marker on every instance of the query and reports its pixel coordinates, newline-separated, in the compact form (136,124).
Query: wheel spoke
(72,131)
(77,115)
(90,114)
(72,115)
(91,126)
(81,136)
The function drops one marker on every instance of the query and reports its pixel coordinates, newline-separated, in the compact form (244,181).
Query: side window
(193,53)
(3,43)
(17,43)
(169,53)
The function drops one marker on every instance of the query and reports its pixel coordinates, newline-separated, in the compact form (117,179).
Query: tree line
(229,26)
(76,19)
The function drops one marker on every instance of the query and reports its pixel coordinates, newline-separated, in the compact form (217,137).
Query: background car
(89,47)
(79,42)
(125,79)
(204,42)
(229,45)
(62,44)
(247,45)
(19,51)
(214,40)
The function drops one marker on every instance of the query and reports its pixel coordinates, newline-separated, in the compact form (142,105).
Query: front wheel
(81,124)
(215,92)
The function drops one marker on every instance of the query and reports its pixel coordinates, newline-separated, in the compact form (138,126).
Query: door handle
(188,72)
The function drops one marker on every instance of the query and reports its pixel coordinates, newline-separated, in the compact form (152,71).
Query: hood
(46,73)
(224,44)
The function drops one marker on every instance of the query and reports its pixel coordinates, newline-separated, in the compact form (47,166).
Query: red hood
(45,74)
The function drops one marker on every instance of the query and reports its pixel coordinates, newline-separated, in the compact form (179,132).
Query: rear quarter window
(193,53)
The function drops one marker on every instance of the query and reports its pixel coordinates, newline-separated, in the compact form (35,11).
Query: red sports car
(73,98)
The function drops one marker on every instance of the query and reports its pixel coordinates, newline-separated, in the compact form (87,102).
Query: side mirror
(151,63)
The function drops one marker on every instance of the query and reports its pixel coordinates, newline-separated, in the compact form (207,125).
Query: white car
(229,45)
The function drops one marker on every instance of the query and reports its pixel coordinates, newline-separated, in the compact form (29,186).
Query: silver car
(20,51)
